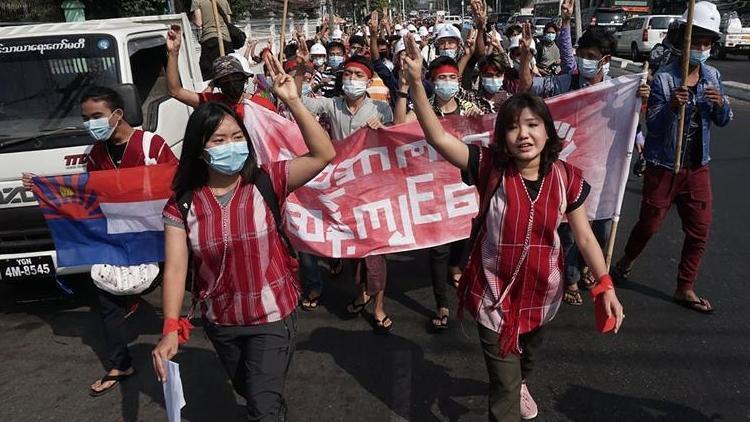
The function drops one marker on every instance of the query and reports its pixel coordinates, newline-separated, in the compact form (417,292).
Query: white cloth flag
(174,399)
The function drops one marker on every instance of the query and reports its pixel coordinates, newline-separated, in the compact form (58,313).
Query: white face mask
(354,89)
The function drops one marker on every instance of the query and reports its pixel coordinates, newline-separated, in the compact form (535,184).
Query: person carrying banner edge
(522,161)
(702,93)
(347,114)
(117,145)
(245,283)
(588,67)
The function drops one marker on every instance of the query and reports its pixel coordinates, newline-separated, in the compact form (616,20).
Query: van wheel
(718,53)
(635,55)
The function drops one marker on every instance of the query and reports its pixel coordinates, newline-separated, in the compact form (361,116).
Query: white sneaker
(529,409)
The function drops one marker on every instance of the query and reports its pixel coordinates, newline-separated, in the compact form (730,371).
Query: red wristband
(182,326)
(603,284)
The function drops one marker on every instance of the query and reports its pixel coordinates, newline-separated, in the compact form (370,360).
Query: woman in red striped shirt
(245,281)
(512,282)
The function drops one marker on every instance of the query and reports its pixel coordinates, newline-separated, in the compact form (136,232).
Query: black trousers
(112,310)
(257,358)
(209,53)
(439,271)
(506,374)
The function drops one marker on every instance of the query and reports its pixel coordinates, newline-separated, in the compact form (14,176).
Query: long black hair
(192,172)
(508,115)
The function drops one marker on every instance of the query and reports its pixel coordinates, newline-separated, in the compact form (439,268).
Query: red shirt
(133,156)
(513,281)
(239,108)
(243,272)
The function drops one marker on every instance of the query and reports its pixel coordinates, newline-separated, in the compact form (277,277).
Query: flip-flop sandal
(588,280)
(357,308)
(381,327)
(106,378)
(573,297)
(310,304)
(619,275)
(440,322)
(695,305)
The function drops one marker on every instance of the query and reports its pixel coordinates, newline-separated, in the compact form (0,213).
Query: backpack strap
(263,183)
(146,143)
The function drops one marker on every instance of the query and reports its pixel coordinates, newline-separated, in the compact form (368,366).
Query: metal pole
(685,69)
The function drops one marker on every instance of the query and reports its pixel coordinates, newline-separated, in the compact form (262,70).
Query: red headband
(446,68)
(359,66)
(487,67)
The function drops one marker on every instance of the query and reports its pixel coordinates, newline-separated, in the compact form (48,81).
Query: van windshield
(43,79)
(661,22)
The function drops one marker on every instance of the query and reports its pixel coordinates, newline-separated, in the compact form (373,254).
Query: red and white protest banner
(389,191)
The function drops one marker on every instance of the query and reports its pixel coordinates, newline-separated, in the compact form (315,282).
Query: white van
(638,35)
(45,69)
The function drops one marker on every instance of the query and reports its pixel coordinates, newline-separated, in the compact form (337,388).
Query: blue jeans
(310,273)
(573,260)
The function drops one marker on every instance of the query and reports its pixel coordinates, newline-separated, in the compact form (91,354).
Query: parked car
(609,18)
(539,23)
(518,19)
(638,35)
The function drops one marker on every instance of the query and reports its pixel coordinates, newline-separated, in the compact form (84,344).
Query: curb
(733,89)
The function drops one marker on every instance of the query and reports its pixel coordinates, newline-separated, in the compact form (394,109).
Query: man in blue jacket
(690,189)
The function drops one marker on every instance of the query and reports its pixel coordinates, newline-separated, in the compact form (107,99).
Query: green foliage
(141,7)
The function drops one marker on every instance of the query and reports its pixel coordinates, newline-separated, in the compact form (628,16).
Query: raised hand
(412,60)
(283,85)
(566,11)
(174,39)
(302,52)
(526,40)
(374,24)
(471,42)
(479,9)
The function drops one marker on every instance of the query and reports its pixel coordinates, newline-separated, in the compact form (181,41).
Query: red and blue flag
(107,217)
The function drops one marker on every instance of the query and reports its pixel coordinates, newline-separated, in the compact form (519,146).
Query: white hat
(417,38)
(398,27)
(431,29)
(411,28)
(360,34)
(705,16)
(404,32)
(423,31)
(438,27)
(399,47)
(449,31)
(318,50)
(337,34)
(243,61)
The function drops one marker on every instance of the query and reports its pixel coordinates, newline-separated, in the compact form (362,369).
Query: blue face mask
(306,89)
(99,129)
(228,158)
(335,61)
(699,57)
(588,68)
(446,89)
(492,85)
(550,36)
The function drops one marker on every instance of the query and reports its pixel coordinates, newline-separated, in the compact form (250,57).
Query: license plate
(24,268)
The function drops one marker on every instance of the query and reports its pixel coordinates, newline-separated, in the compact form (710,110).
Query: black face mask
(233,89)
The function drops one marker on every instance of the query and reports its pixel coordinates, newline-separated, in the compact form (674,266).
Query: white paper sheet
(174,399)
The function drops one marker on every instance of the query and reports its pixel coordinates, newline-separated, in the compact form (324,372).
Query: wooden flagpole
(685,69)
(218,27)
(616,219)
(282,41)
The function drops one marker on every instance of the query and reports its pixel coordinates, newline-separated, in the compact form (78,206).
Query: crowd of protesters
(222,224)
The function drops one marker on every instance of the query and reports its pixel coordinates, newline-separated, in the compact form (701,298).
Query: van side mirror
(133,112)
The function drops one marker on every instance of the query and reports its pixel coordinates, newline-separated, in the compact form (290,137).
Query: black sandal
(106,378)
(381,327)
(357,308)
(310,303)
(440,322)
(572,297)
(701,305)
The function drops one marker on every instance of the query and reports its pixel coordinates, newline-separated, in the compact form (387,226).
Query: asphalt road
(732,68)
(667,363)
